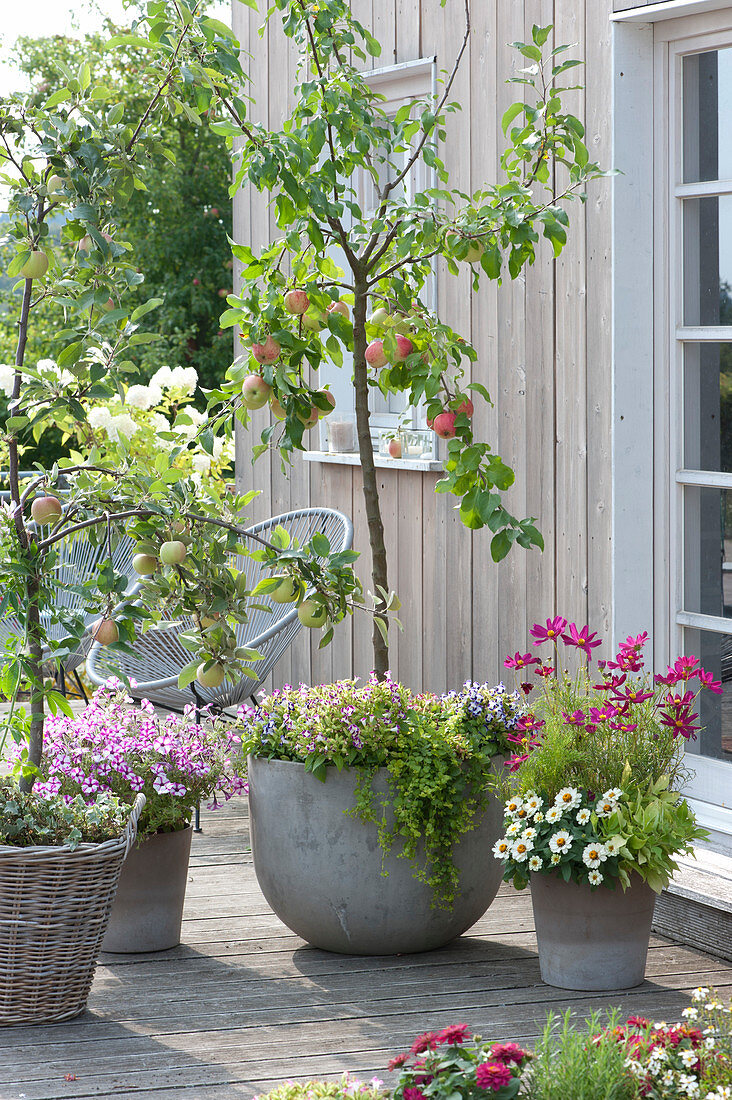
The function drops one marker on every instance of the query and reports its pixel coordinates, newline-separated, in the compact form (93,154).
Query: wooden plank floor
(242,1003)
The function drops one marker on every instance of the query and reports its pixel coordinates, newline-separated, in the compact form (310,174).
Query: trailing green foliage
(27,819)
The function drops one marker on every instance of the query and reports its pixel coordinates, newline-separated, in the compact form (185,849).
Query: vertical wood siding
(544,353)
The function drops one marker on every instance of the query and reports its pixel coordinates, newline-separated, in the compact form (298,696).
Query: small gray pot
(148,908)
(320,868)
(591,939)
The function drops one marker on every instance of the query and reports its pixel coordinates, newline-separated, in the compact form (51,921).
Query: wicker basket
(54,909)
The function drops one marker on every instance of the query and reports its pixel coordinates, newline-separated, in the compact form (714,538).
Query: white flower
(122,425)
(560,842)
(533,802)
(538,817)
(613,846)
(514,828)
(669,1077)
(47,366)
(529,834)
(613,795)
(722,1092)
(502,848)
(202,464)
(700,993)
(595,878)
(689,1058)
(690,1013)
(184,378)
(536,863)
(605,806)
(512,807)
(582,816)
(554,813)
(555,858)
(568,798)
(100,417)
(521,849)
(140,397)
(659,1025)
(714,1006)
(223,449)
(7,379)
(710,1042)
(163,378)
(688,1084)
(594,855)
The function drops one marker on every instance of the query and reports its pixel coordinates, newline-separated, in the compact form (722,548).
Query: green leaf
(58,97)
(509,115)
(500,546)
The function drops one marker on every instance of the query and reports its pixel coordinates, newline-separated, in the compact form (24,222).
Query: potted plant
(385,844)
(118,748)
(593,816)
(60,862)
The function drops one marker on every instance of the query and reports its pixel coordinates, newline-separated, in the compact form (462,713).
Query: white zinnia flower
(595,878)
(554,813)
(521,849)
(568,798)
(613,795)
(560,842)
(555,858)
(538,817)
(582,816)
(514,828)
(512,806)
(594,854)
(536,863)
(502,848)
(529,834)
(613,846)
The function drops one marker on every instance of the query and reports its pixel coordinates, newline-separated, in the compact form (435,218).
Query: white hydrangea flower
(595,878)
(184,378)
(122,425)
(536,863)
(7,378)
(568,798)
(100,417)
(594,854)
(202,464)
(554,813)
(502,848)
(223,449)
(521,849)
(582,816)
(560,842)
(162,378)
(138,397)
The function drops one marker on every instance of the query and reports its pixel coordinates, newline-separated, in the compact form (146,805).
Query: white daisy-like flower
(722,1092)
(582,816)
(502,848)
(613,846)
(568,798)
(659,1025)
(594,854)
(560,842)
(595,878)
(521,849)
(538,817)
(555,858)
(690,1013)
(688,1084)
(669,1077)
(554,813)
(529,833)
(689,1058)
(714,1006)
(514,828)
(533,803)
(536,863)
(613,795)
(512,807)
(604,807)
(710,1042)
(700,993)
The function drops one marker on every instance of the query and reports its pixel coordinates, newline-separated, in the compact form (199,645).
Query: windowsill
(421,465)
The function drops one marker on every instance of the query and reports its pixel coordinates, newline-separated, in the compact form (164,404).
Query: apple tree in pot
(343,280)
(73,157)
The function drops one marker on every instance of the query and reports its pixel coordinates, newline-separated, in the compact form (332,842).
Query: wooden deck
(243,1004)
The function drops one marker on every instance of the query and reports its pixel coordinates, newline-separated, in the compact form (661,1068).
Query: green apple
(211,677)
(380,317)
(313,320)
(312,614)
(46,510)
(144,564)
(277,411)
(286,591)
(36,266)
(54,184)
(255,391)
(475,252)
(173,552)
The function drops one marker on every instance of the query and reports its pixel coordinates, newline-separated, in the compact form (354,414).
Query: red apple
(223,293)
(196,282)
(268,352)
(296,301)
(255,391)
(395,448)
(36,266)
(312,614)
(375,356)
(339,307)
(46,509)
(105,631)
(444,425)
(330,399)
(311,420)
(404,347)
(211,677)
(466,407)
(173,552)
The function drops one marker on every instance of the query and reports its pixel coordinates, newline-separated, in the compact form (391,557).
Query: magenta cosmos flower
(582,639)
(549,633)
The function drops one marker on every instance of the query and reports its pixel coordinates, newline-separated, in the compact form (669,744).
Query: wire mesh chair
(78,559)
(159,656)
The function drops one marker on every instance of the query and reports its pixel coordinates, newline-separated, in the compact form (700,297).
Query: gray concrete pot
(148,908)
(591,939)
(321,869)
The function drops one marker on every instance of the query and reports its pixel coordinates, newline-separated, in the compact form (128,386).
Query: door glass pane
(707,116)
(715,711)
(708,407)
(708,551)
(707,261)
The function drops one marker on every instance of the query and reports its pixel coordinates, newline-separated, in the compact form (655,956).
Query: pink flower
(454,1033)
(707,680)
(582,639)
(397,1061)
(604,715)
(529,723)
(492,1075)
(508,1052)
(520,660)
(550,632)
(428,1041)
(577,718)
(685,667)
(413,1094)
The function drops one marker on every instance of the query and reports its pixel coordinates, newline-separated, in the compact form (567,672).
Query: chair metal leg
(80,686)
(197,821)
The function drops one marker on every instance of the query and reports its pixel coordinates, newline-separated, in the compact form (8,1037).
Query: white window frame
(649,479)
(398,84)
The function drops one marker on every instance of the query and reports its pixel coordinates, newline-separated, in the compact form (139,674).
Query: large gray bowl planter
(148,908)
(320,869)
(591,939)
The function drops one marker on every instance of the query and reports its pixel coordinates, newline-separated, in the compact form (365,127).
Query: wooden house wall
(544,353)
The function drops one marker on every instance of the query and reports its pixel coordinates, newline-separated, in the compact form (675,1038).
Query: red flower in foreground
(454,1033)
(637,1021)
(429,1041)
(397,1061)
(508,1052)
(492,1075)
(413,1094)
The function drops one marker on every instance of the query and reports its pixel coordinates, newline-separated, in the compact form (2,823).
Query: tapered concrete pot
(320,868)
(148,909)
(591,939)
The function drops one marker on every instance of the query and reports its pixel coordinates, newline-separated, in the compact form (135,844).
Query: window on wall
(700,395)
(398,84)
